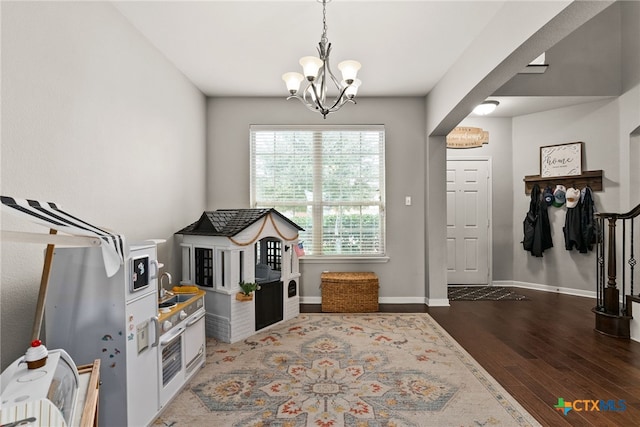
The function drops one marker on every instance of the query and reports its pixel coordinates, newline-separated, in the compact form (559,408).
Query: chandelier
(318,75)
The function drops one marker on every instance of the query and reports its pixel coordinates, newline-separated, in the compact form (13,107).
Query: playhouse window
(330,180)
(204,267)
(274,254)
(268,260)
(269,252)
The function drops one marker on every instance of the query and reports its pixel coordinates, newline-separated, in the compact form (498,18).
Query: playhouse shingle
(229,222)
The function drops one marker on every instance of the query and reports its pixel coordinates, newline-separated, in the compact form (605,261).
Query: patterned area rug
(483,293)
(330,370)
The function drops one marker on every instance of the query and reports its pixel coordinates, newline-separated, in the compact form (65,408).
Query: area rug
(331,370)
(483,293)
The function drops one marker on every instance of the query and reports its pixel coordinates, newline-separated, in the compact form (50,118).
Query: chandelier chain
(324,39)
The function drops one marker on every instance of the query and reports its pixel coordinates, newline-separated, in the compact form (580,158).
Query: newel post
(611,293)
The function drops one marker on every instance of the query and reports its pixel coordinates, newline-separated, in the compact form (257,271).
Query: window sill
(308,259)
(220,291)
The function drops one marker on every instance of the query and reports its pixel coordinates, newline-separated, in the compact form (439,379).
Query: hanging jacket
(587,220)
(572,230)
(530,219)
(579,228)
(542,239)
(536,226)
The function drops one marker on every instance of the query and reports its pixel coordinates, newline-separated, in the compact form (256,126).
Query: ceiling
(242,48)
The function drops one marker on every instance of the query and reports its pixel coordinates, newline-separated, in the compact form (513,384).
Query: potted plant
(247,289)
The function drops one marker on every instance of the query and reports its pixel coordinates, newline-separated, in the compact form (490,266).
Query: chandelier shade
(352,89)
(349,70)
(311,66)
(293,80)
(317,72)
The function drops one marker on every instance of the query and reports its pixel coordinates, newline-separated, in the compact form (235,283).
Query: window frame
(381,255)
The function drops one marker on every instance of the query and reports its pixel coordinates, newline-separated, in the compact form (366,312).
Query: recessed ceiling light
(486,107)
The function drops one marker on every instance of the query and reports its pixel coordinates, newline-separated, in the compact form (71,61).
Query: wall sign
(467,137)
(561,160)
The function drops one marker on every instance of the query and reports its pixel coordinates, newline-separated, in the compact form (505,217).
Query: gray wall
(596,124)
(499,150)
(402,277)
(97,120)
(634,161)
(630,11)
(586,62)
(488,63)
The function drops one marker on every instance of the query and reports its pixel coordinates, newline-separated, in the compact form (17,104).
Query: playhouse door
(468,249)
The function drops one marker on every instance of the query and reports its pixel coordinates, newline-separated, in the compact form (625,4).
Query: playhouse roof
(229,222)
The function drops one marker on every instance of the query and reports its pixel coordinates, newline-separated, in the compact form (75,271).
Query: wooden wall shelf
(591,178)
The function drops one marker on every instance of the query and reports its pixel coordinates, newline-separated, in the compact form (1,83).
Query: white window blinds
(327,179)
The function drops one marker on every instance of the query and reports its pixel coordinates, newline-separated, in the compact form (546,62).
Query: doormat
(483,293)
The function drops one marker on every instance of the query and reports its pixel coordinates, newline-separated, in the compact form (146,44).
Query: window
(269,252)
(274,254)
(204,267)
(328,180)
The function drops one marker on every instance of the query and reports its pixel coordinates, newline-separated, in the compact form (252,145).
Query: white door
(468,224)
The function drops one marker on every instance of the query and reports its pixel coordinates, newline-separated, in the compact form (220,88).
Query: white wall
(402,277)
(97,120)
(500,151)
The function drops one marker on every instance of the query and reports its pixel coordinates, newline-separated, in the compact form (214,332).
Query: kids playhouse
(229,246)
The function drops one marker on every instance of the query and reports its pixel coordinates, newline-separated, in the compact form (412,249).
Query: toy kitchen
(146,355)
(147,343)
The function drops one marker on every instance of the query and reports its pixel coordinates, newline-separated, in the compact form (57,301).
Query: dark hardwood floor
(543,349)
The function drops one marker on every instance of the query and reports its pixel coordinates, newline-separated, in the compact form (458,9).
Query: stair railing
(607,249)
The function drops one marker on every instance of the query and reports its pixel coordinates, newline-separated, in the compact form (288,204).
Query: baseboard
(635,322)
(437,302)
(545,288)
(401,300)
(444,302)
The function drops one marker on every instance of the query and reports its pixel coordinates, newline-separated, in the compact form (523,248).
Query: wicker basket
(349,292)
